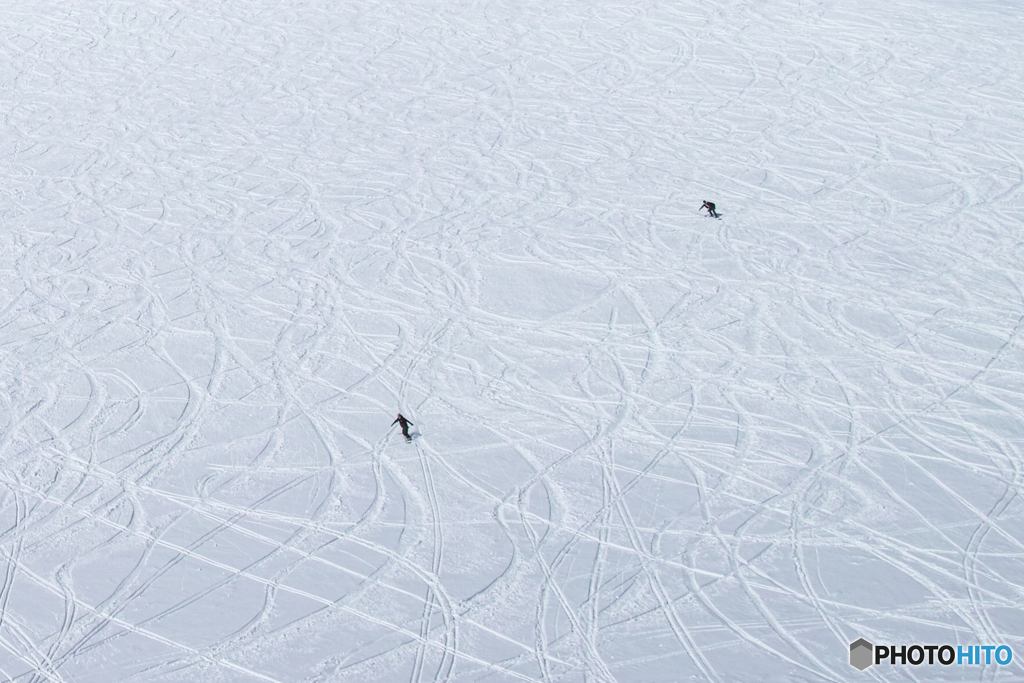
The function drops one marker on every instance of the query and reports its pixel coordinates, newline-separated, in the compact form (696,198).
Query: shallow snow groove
(238,237)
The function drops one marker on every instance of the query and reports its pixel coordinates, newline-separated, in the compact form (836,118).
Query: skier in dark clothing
(710,206)
(404,425)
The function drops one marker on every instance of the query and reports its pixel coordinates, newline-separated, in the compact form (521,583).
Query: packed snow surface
(238,237)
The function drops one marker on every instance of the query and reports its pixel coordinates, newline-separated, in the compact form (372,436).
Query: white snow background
(239,236)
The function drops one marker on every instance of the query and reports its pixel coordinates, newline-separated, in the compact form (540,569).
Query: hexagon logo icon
(861,652)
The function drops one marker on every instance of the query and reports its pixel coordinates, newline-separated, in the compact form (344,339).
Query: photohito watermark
(863,654)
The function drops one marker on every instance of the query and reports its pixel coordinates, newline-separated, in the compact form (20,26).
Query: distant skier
(404,424)
(710,206)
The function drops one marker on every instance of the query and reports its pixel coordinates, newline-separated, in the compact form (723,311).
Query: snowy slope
(238,237)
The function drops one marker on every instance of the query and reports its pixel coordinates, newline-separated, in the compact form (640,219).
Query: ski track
(238,237)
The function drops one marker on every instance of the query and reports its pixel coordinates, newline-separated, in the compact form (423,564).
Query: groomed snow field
(238,237)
